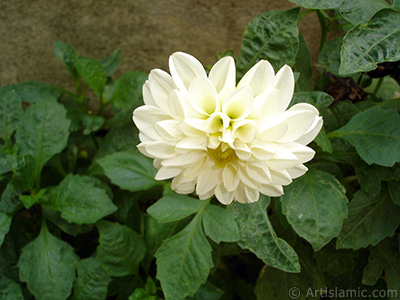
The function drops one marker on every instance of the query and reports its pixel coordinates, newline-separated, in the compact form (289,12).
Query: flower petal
(238,104)
(167,172)
(223,195)
(280,177)
(245,130)
(223,76)
(297,171)
(169,130)
(262,150)
(160,85)
(312,133)
(260,78)
(160,149)
(147,97)
(183,185)
(208,179)
(184,68)
(284,82)
(199,143)
(262,175)
(272,190)
(303,153)
(203,96)
(230,177)
(145,117)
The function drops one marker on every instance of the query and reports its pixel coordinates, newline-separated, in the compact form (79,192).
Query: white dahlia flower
(218,138)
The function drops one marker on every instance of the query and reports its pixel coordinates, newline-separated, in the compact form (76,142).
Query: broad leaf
(257,235)
(318,4)
(33,91)
(91,123)
(10,110)
(128,90)
(111,63)
(130,171)
(207,291)
(5,223)
(329,57)
(47,265)
(92,281)
(365,46)
(43,132)
(9,289)
(316,98)
(67,54)
(186,255)
(303,66)
(219,224)
(79,200)
(9,199)
(384,256)
(92,73)
(370,220)
(315,205)
(121,249)
(375,133)
(361,11)
(174,207)
(394,191)
(272,36)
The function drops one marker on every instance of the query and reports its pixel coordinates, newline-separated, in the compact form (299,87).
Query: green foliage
(82,217)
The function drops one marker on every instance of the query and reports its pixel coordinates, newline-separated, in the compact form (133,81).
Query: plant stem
(324,29)
(378,86)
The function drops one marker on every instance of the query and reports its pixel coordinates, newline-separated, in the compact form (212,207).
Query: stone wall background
(147,31)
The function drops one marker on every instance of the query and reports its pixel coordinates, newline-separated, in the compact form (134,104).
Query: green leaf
(316,98)
(9,199)
(9,289)
(91,123)
(11,112)
(273,284)
(67,54)
(141,294)
(389,90)
(272,36)
(121,249)
(111,63)
(5,223)
(30,200)
(318,4)
(130,171)
(257,235)
(128,90)
(322,141)
(92,281)
(186,255)
(394,191)
(315,205)
(207,291)
(370,220)
(364,46)
(303,66)
(43,132)
(174,207)
(92,73)
(47,265)
(33,91)
(219,224)
(385,256)
(375,133)
(329,57)
(79,200)
(361,11)
(25,170)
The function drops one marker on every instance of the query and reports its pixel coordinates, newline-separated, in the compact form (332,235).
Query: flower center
(222,157)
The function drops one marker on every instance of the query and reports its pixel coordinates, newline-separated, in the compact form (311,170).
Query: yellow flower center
(222,157)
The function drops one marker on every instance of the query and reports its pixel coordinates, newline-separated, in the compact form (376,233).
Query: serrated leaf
(47,265)
(257,235)
(121,249)
(370,220)
(128,90)
(186,255)
(43,132)
(9,289)
(67,54)
(316,98)
(92,73)
(79,200)
(219,224)
(361,11)
(364,46)
(11,112)
(29,200)
(5,223)
(384,256)
(303,66)
(92,281)
(272,36)
(130,171)
(111,63)
(318,4)
(9,199)
(315,205)
(91,123)
(375,133)
(174,207)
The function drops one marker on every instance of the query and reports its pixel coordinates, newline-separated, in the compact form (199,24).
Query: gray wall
(147,31)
